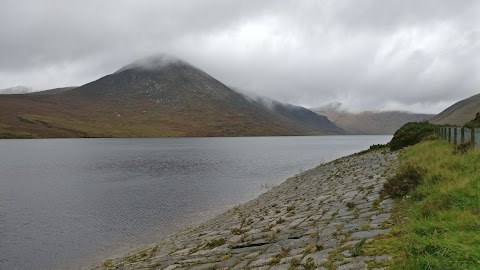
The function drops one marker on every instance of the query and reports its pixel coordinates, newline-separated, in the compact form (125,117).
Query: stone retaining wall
(318,219)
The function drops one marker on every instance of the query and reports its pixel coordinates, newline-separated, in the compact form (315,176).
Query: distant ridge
(53,91)
(369,122)
(302,115)
(153,97)
(459,113)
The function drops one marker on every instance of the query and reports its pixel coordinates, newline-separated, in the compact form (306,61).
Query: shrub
(373,147)
(350,205)
(462,148)
(377,146)
(475,123)
(411,134)
(405,180)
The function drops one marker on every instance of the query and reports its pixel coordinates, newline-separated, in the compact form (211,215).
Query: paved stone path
(319,219)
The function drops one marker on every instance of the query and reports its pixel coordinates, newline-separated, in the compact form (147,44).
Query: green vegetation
(408,177)
(350,205)
(216,243)
(437,225)
(475,123)
(373,147)
(357,249)
(411,133)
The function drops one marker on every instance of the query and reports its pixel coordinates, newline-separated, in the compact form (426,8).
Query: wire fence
(459,135)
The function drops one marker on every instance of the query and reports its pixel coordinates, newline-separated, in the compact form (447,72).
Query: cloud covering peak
(154,62)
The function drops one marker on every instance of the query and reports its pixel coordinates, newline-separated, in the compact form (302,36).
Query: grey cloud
(372,54)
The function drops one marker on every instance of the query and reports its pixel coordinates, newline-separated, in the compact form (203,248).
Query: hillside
(53,91)
(368,122)
(16,90)
(432,224)
(459,113)
(153,97)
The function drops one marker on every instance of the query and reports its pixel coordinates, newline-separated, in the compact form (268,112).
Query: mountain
(302,115)
(16,90)
(53,91)
(152,97)
(459,113)
(369,122)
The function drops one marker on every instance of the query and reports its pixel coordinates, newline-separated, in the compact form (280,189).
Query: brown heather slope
(153,98)
(371,123)
(459,113)
(53,91)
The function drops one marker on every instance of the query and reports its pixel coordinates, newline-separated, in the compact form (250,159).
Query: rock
(261,262)
(171,267)
(353,266)
(280,267)
(319,224)
(318,257)
(368,234)
(384,257)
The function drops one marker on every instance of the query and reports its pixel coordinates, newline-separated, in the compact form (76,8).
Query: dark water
(66,203)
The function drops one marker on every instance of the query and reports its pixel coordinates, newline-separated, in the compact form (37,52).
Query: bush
(411,134)
(377,146)
(462,148)
(405,180)
(373,147)
(475,123)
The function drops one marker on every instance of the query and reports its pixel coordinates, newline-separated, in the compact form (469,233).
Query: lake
(70,203)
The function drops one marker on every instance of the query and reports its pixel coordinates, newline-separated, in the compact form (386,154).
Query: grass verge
(437,224)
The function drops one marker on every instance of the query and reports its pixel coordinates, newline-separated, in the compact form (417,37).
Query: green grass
(437,225)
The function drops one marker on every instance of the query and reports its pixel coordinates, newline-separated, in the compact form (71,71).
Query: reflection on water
(64,202)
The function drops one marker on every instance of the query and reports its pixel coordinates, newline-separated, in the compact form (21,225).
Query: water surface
(66,203)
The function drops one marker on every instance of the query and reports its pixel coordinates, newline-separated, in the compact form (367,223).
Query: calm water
(66,203)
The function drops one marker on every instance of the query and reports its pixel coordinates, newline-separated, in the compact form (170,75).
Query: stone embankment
(318,219)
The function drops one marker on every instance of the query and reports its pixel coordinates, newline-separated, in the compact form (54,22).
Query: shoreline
(311,219)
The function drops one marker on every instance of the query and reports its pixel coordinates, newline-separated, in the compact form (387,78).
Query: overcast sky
(411,55)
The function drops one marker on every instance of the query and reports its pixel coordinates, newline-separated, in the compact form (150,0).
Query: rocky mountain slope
(153,97)
(459,113)
(53,91)
(369,122)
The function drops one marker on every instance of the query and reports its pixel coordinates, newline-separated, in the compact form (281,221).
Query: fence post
(472,137)
(462,135)
(476,131)
(455,136)
(449,134)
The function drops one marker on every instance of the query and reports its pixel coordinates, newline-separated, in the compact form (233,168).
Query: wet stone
(264,234)
(353,266)
(368,234)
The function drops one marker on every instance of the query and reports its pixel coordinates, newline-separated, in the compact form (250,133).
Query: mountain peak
(153,63)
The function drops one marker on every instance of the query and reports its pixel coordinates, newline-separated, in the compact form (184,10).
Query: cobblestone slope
(318,219)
